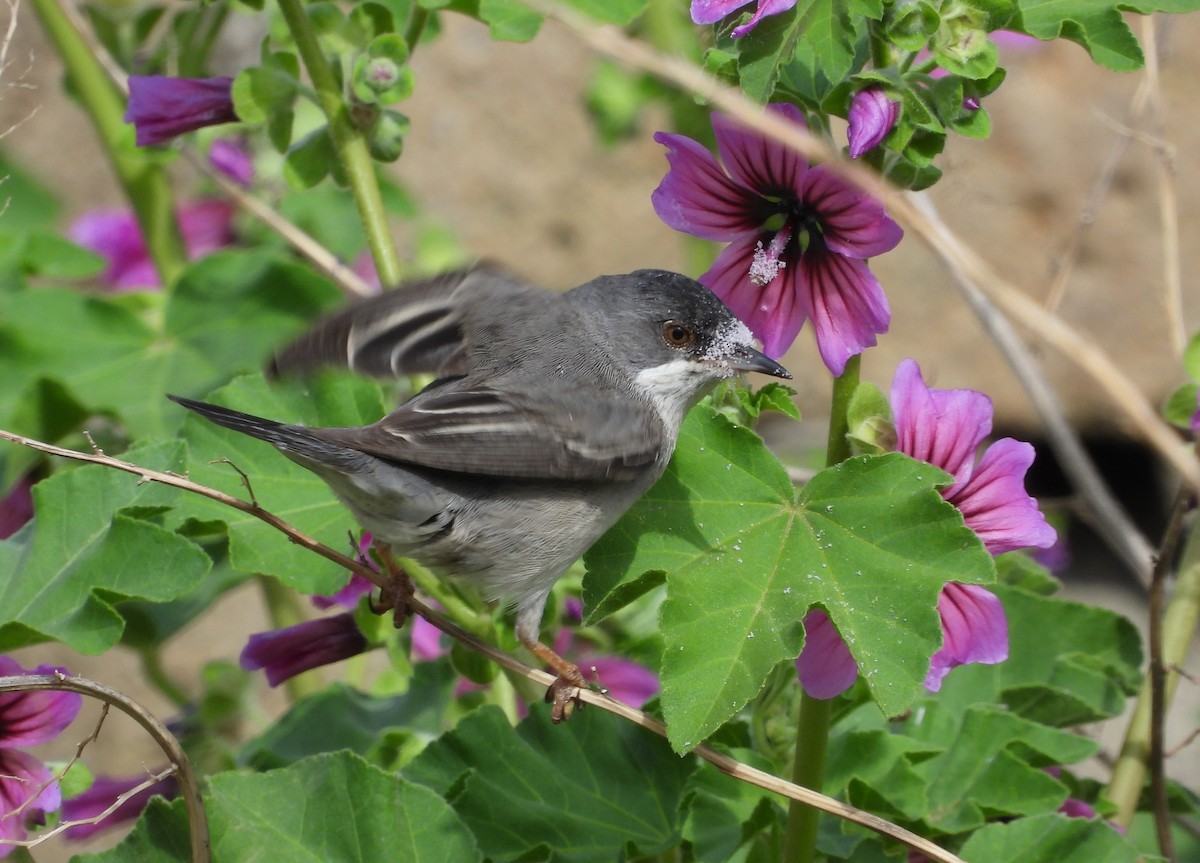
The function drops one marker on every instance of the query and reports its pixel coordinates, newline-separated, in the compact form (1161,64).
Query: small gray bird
(550,416)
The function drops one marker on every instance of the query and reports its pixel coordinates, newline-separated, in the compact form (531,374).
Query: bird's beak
(744,358)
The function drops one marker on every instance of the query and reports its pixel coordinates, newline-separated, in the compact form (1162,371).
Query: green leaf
(584,790)
(1098,26)
(992,766)
(870,540)
(308,160)
(1182,405)
(883,761)
(226,314)
(618,12)
(342,718)
(509,20)
(333,807)
(1191,358)
(160,836)
(765,51)
(1050,837)
(295,494)
(60,575)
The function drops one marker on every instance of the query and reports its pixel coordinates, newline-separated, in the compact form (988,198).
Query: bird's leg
(395,597)
(564,691)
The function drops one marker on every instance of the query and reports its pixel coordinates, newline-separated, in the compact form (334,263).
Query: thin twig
(1113,524)
(1065,263)
(179,765)
(1019,305)
(722,762)
(1163,566)
(1168,201)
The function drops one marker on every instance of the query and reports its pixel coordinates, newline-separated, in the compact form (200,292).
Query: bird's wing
(415,329)
(478,430)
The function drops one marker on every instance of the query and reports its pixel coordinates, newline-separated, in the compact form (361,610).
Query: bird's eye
(678,335)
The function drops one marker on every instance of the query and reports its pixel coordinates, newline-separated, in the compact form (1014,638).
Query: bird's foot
(396,596)
(563,693)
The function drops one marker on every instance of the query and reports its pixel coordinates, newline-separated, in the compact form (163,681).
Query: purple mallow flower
(233,160)
(16,507)
(206,225)
(27,718)
(798,236)
(161,107)
(284,653)
(103,794)
(712,11)
(872,116)
(945,428)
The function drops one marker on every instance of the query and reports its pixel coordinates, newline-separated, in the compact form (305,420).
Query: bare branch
(179,764)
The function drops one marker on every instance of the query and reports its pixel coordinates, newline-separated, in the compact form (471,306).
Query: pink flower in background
(712,11)
(16,507)
(872,116)
(284,653)
(945,428)
(798,236)
(102,794)
(233,160)
(207,225)
(161,107)
(28,789)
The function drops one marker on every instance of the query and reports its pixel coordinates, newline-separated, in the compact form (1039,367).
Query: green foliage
(584,791)
(330,807)
(96,539)
(870,541)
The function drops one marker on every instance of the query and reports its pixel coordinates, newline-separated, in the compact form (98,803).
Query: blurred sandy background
(502,150)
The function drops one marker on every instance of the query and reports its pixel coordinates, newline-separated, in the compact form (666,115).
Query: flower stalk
(812,726)
(348,141)
(142,179)
(1179,625)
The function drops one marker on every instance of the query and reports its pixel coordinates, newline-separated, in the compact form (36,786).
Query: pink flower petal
(872,115)
(624,679)
(941,427)
(27,790)
(698,198)
(162,107)
(16,507)
(774,311)
(854,224)
(996,506)
(825,667)
(765,8)
(758,162)
(284,653)
(974,629)
(712,11)
(846,304)
(30,717)
(103,793)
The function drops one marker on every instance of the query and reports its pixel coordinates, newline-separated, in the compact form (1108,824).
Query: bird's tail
(293,441)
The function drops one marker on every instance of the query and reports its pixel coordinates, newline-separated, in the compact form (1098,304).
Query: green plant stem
(156,674)
(141,177)
(1178,628)
(812,726)
(417,19)
(283,609)
(348,142)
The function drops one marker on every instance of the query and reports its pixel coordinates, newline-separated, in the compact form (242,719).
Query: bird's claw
(563,694)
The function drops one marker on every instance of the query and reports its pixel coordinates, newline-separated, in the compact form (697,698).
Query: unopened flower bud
(872,116)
